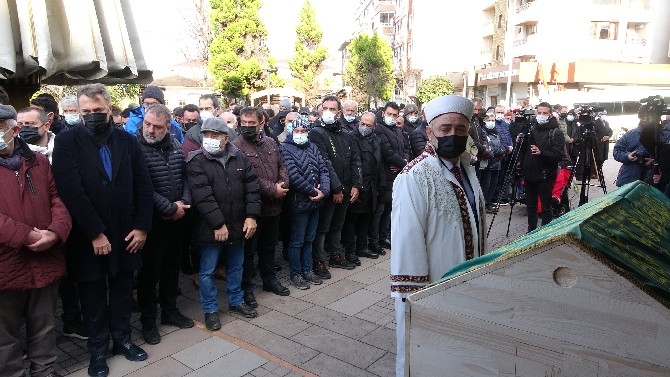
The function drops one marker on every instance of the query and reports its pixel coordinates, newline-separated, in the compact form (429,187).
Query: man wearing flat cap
(437,219)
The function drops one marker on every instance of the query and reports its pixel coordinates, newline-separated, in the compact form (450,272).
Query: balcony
(487,28)
(486,52)
(525,45)
(636,48)
(525,13)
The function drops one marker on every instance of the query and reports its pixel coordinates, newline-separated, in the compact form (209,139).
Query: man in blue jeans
(226,196)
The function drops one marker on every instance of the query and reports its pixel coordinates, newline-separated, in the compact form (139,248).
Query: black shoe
(98,366)
(278,267)
(150,334)
(250,299)
(244,310)
(367,254)
(321,270)
(352,258)
(75,329)
(340,262)
(299,282)
(377,250)
(277,288)
(212,321)
(385,243)
(130,351)
(176,319)
(311,278)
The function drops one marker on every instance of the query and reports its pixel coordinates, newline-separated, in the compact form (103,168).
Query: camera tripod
(586,157)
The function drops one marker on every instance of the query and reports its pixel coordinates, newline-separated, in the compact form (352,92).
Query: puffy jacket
(551,142)
(306,170)
(504,134)
(28,199)
(265,157)
(374,179)
(137,117)
(167,168)
(335,145)
(418,140)
(395,149)
(224,190)
(494,161)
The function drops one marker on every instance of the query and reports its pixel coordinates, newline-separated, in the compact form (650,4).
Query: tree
(237,54)
(433,87)
(307,63)
(119,94)
(369,70)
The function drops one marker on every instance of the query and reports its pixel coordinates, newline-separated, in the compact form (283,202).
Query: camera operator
(655,138)
(635,159)
(543,151)
(602,133)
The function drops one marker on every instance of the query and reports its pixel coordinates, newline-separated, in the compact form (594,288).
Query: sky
(162,39)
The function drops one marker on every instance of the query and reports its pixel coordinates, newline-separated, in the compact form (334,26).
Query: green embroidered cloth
(629,228)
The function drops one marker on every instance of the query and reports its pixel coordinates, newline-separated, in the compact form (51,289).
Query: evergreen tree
(370,68)
(433,87)
(307,62)
(237,54)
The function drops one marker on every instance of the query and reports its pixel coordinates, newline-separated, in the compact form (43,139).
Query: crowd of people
(97,200)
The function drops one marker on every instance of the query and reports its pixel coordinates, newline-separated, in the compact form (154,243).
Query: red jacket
(28,199)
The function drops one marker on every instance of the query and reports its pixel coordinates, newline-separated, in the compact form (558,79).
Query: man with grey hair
(103,180)
(231,121)
(161,257)
(70,110)
(437,201)
(349,119)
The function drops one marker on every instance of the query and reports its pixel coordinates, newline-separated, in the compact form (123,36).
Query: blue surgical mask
(349,118)
(570,118)
(390,121)
(542,119)
(490,125)
(412,118)
(3,143)
(300,139)
(288,128)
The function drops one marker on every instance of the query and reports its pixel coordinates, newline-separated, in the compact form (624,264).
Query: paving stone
(384,366)
(175,342)
(327,366)
(333,292)
(370,275)
(382,286)
(288,305)
(204,352)
(167,367)
(341,347)
(118,366)
(352,327)
(234,364)
(356,302)
(286,349)
(281,324)
(382,338)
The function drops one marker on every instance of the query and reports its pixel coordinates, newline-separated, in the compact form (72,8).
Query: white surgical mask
(542,119)
(349,118)
(490,125)
(603,117)
(300,139)
(71,119)
(500,117)
(570,118)
(212,146)
(328,117)
(413,118)
(204,115)
(390,121)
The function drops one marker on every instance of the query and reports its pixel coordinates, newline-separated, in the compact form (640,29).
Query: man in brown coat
(34,223)
(263,153)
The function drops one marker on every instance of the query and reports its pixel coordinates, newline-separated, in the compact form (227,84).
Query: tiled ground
(344,327)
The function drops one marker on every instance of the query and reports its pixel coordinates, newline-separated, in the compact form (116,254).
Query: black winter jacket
(224,190)
(306,170)
(418,140)
(537,168)
(395,149)
(374,179)
(167,168)
(335,145)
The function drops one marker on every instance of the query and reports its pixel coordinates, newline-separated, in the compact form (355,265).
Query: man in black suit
(102,178)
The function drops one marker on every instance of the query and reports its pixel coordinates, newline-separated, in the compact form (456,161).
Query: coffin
(587,295)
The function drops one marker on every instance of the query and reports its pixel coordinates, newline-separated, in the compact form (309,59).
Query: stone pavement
(344,327)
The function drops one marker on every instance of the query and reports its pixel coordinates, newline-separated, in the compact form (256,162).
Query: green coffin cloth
(629,229)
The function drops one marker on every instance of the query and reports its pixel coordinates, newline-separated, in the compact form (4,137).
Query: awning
(70,42)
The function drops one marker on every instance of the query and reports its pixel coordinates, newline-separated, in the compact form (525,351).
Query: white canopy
(71,42)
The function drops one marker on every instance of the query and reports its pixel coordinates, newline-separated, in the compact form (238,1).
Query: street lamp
(269,70)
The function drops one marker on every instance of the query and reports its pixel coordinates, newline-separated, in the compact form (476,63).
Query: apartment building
(375,16)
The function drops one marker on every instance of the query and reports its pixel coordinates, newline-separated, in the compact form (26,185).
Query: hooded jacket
(224,191)
(551,142)
(137,117)
(306,170)
(28,199)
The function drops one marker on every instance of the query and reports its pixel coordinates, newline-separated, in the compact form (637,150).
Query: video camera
(654,106)
(523,117)
(587,114)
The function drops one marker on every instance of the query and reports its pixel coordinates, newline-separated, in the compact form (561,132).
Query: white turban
(452,103)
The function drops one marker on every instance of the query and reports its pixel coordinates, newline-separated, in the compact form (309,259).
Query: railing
(487,51)
(520,42)
(525,6)
(636,42)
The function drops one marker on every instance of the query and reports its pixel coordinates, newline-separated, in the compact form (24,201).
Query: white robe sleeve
(409,259)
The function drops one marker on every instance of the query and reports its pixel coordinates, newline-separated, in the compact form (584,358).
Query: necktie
(456,171)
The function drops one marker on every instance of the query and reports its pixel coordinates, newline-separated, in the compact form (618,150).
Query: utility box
(587,295)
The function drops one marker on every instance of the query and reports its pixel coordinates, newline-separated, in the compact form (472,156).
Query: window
(498,52)
(499,21)
(386,18)
(636,34)
(182,102)
(604,30)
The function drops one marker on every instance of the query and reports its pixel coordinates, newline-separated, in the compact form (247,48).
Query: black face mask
(30,135)
(563,115)
(248,132)
(97,122)
(451,146)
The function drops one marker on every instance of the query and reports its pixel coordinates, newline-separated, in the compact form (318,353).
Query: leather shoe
(277,288)
(212,321)
(176,319)
(367,254)
(386,244)
(98,366)
(244,310)
(250,299)
(130,351)
(150,334)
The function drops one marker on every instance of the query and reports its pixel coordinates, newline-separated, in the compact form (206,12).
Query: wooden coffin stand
(587,295)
